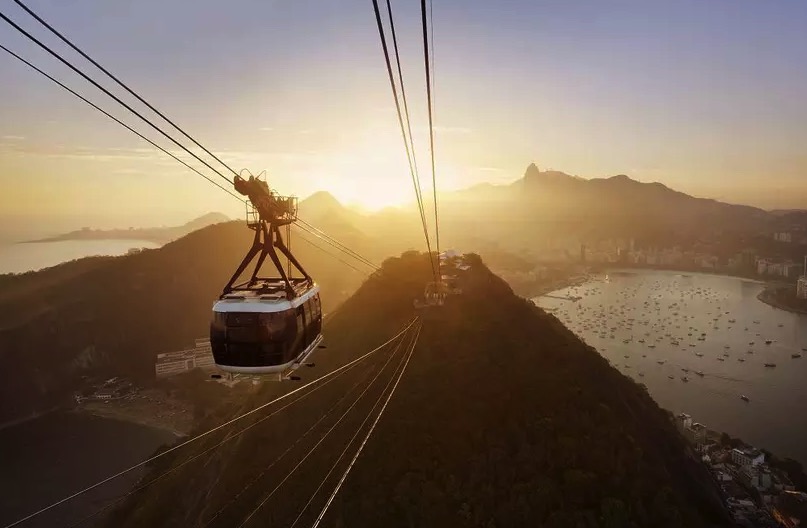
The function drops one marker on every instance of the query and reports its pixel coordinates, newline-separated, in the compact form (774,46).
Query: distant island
(158,235)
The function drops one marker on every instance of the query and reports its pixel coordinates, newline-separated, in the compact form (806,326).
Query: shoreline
(691,272)
(558,285)
(159,242)
(763,296)
(113,411)
(33,416)
(766,297)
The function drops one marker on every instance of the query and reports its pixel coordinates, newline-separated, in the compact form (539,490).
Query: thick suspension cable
(332,244)
(418,188)
(334,241)
(206,433)
(215,446)
(121,83)
(119,101)
(110,94)
(302,224)
(335,257)
(423,16)
(383,38)
(294,444)
(367,436)
(317,232)
(118,121)
(431,35)
(347,447)
(326,434)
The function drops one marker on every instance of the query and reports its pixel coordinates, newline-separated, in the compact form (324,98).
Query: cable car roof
(256,301)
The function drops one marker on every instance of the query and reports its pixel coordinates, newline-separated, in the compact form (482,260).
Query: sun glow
(373,174)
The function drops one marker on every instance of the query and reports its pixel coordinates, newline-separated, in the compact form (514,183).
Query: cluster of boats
(665,316)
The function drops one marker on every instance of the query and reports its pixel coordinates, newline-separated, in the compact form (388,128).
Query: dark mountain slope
(507,419)
(504,418)
(112,316)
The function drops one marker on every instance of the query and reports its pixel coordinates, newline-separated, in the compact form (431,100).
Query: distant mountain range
(159,235)
(112,315)
(551,205)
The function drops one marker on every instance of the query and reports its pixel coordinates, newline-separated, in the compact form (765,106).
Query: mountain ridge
(551,203)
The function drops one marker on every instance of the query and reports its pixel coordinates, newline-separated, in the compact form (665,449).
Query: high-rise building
(683,421)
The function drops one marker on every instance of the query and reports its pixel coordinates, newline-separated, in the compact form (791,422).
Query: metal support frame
(267,238)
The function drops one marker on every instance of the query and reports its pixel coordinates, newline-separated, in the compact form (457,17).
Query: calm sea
(51,457)
(18,258)
(707,324)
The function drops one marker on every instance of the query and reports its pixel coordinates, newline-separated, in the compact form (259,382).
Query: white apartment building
(747,456)
(171,363)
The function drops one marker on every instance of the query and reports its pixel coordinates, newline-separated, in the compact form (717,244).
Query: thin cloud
(12,138)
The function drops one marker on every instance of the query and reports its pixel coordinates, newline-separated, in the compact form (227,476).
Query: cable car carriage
(266,324)
(434,296)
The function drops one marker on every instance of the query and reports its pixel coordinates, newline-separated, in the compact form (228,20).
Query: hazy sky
(706,96)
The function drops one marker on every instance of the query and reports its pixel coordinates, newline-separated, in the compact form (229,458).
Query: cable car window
(275,322)
(296,343)
(317,308)
(308,314)
(242,319)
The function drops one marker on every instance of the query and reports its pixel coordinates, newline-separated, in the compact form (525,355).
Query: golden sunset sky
(705,97)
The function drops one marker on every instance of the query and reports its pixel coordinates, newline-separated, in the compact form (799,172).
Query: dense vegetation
(504,418)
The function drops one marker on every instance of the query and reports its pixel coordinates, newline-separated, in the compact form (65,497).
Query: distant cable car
(266,325)
(435,294)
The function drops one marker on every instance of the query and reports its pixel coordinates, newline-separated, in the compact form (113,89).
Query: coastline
(768,298)
(717,273)
(764,296)
(179,425)
(28,418)
(122,237)
(578,280)
(558,285)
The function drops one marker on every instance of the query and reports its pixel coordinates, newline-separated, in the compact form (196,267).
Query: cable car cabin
(434,296)
(259,333)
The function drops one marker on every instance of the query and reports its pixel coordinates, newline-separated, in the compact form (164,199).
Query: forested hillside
(503,418)
(111,316)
